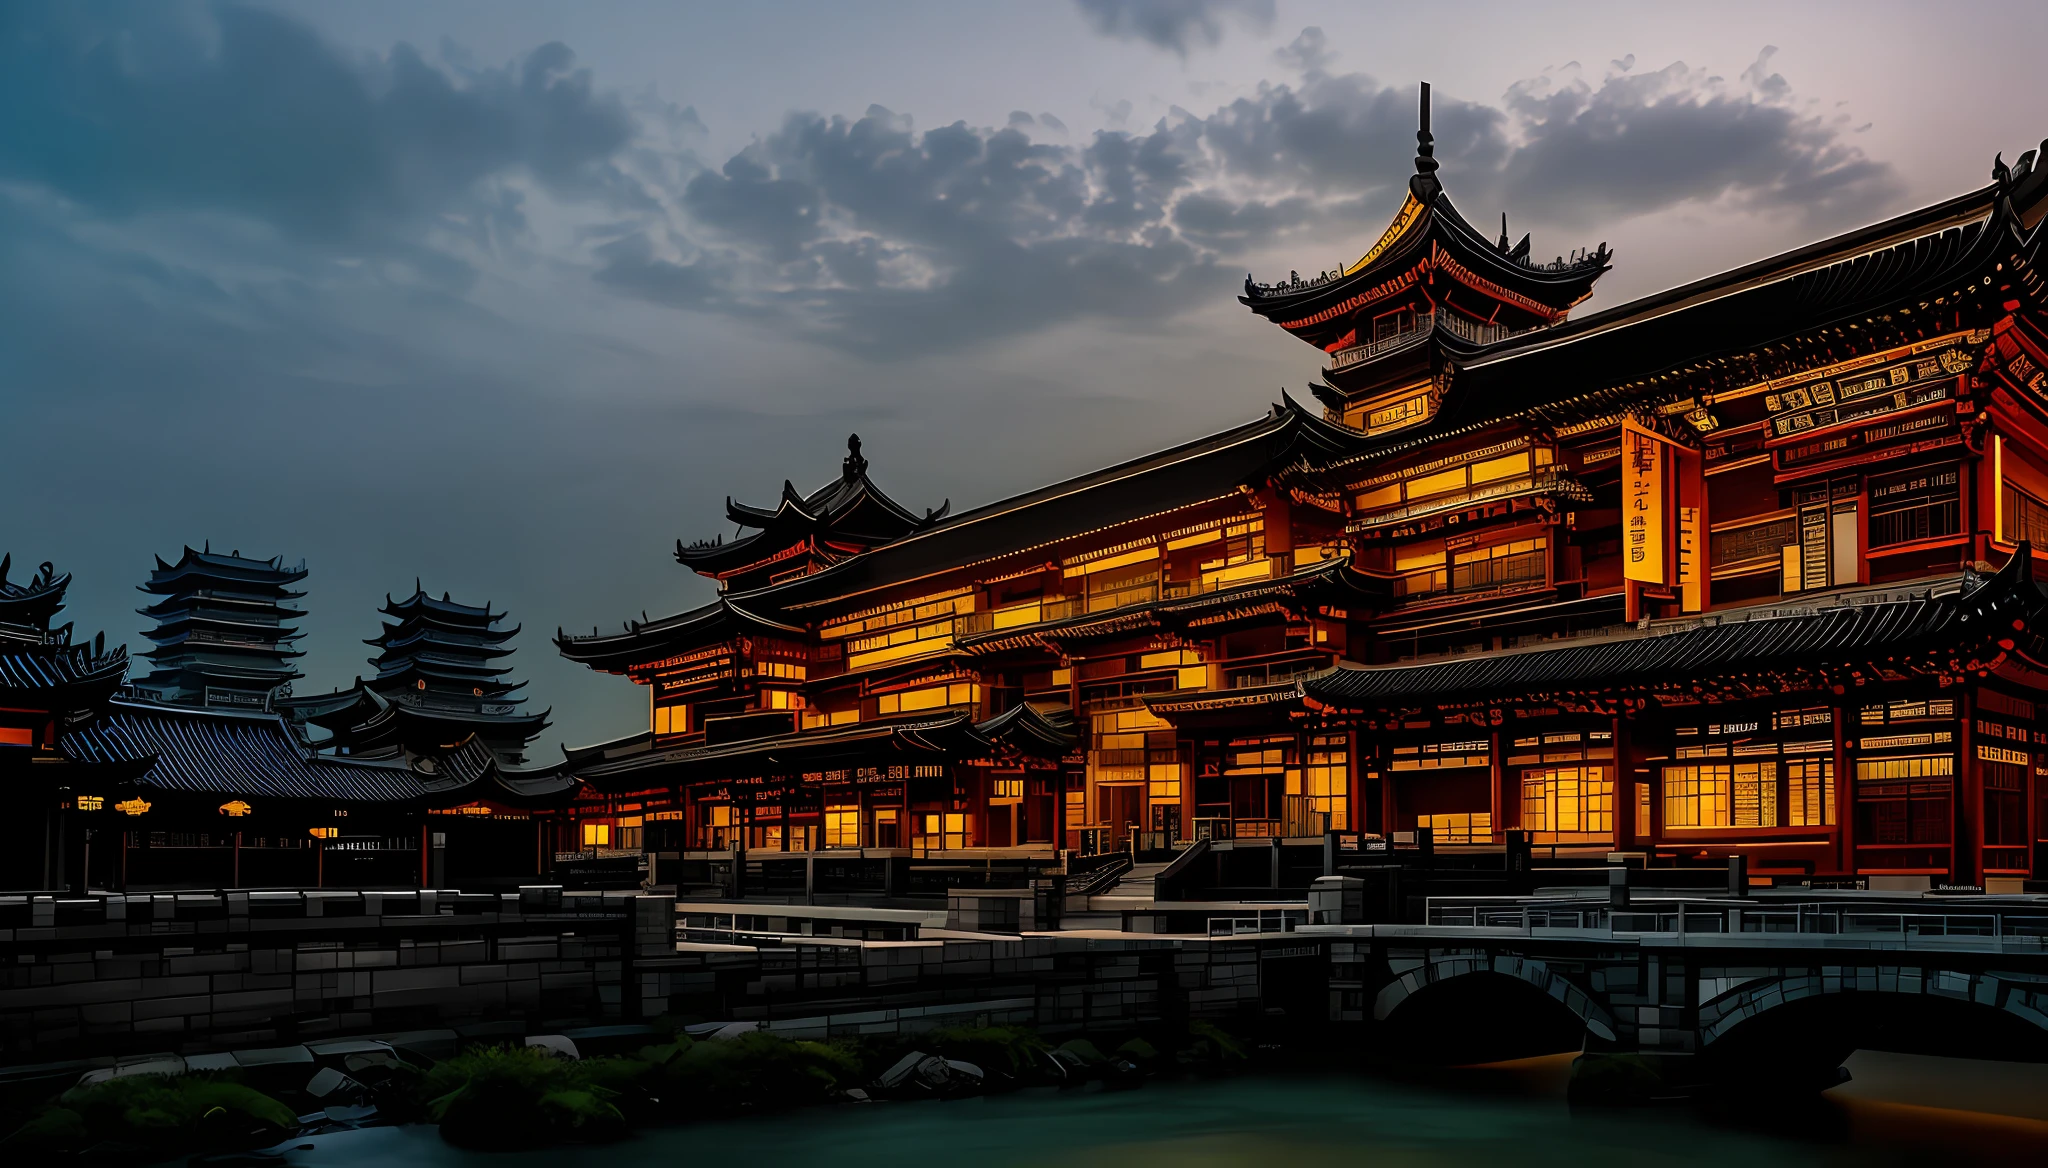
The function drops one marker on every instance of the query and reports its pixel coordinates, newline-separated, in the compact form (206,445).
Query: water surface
(1899,1110)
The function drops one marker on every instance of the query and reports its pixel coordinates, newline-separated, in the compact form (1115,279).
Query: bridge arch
(1803,1023)
(1476,1007)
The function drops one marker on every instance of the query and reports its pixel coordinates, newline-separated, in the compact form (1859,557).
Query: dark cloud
(1175,25)
(248,112)
(870,236)
(1644,141)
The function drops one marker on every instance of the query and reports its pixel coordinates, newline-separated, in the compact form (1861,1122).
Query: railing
(1041,612)
(1272,673)
(1346,358)
(1468,330)
(1544,481)
(1878,924)
(1476,576)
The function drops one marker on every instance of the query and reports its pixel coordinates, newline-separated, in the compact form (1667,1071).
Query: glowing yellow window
(597,835)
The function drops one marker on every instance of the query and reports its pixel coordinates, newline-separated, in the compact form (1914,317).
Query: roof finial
(1424,185)
(854,464)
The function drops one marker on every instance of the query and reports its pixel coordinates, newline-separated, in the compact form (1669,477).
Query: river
(1898,1110)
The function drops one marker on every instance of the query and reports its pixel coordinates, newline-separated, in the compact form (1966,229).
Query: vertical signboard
(1690,488)
(1644,503)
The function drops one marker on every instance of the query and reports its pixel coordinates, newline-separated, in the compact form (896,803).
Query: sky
(509,296)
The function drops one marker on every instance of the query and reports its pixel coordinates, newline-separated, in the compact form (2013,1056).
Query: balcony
(1549,480)
(1492,575)
(1055,609)
(1450,322)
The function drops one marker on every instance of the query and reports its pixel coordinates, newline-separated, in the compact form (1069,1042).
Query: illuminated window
(1696,796)
(1876,769)
(1568,804)
(671,719)
(1006,790)
(1642,811)
(842,826)
(597,835)
(788,670)
(1810,793)
(1458,827)
(945,831)
(815,719)
(1326,779)
(932,697)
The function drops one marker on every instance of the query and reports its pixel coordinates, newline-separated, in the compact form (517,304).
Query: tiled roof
(234,753)
(1715,646)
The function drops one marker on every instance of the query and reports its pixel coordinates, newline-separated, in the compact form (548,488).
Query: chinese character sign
(1643,503)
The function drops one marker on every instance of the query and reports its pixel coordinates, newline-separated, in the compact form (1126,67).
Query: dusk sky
(510,296)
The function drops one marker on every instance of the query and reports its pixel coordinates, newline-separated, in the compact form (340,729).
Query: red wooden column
(1845,792)
(1966,825)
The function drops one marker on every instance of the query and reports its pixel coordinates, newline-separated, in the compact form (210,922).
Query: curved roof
(1951,622)
(851,511)
(195,567)
(1427,230)
(31,604)
(221,752)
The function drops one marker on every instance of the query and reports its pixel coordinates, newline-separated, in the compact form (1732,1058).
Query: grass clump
(499,1098)
(157,1115)
(702,1077)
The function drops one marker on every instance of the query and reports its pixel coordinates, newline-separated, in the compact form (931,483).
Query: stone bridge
(1671,993)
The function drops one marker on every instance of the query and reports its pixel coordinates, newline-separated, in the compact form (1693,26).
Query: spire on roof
(1424,185)
(855,465)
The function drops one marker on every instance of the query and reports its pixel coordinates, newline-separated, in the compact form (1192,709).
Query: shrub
(519,1097)
(712,1076)
(160,1114)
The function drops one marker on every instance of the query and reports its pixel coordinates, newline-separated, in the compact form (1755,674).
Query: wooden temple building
(1741,568)
(195,777)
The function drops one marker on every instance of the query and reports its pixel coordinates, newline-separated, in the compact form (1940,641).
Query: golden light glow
(91,802)
(324,832)
(1643,503)
(132,807)
(235,809)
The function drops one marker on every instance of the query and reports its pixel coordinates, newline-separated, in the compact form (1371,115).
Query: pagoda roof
(1747,324)
(236,568)
(1976,619)
(397,638)
(446,612)
(851,512)
(235,753)
(33,603)
(1427,230)
(438,667)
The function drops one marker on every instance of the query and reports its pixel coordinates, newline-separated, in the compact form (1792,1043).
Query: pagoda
(803,533)
(440,680)
(1431,292)
(222,637)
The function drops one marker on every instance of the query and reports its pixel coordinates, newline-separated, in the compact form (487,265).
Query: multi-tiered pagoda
(222,637)
(441,679)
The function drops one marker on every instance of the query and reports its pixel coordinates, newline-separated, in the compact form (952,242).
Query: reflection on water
(1900,1110)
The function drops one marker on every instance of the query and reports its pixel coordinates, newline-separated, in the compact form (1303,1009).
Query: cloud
(1175,25)
(870,236)
(241,111)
